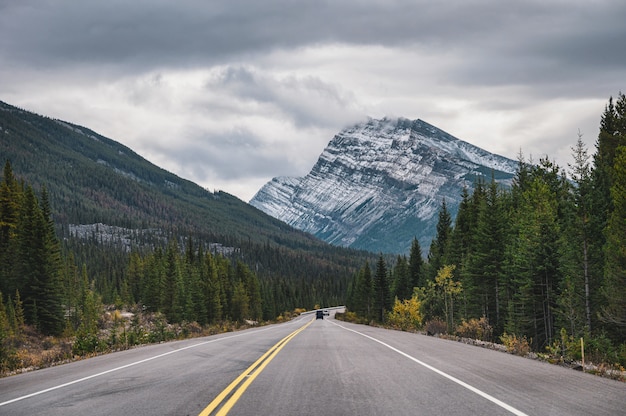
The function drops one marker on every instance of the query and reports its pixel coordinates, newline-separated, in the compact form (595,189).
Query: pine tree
(533,264)
(153,282)
(210,284)
(240,304)
(10,201)
(484,272)
(612,134)
(172,303)
(614,311)
(28,261)
(5,331)
(382,290)
(253,291)
(416,265)
(580,273)
(439,246)
(50,303)
(402,285)
(604,223)
(461,236)
(18,309)
(364,292)
(135,276)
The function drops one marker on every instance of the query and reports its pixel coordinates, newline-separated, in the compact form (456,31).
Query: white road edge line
(441,373)
(37,393)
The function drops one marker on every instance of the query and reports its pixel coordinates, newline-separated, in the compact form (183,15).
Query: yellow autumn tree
(449,289)
(406,315)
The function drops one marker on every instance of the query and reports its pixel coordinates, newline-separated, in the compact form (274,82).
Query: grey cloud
(252,64)
(236,154)
(304,101)
(547,44)
(187,33)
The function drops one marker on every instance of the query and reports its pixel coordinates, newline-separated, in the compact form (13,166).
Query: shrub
(87,343)
(346,316)
(405,314)
(475,329)
(515,345)
(600,349)
(621,355)
(436,326)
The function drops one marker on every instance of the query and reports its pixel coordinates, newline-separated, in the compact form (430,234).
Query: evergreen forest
(62,288)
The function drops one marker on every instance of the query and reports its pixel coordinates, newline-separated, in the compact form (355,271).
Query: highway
(310,367)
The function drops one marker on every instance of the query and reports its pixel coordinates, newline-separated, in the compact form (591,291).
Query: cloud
(232,93)
(305,101)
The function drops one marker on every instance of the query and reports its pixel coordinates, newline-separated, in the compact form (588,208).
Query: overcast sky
(232,93)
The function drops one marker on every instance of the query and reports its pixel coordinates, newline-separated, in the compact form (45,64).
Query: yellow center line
(249,374)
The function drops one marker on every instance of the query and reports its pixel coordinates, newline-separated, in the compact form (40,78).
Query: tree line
(184,281)
(60,287)
(543,259)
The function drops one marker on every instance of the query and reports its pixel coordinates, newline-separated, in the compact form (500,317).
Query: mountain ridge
(380,183)
(96,181)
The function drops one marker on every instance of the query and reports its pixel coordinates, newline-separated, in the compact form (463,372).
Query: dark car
(319,315)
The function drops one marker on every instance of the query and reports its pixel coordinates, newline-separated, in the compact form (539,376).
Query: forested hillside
(44,289)
(93,180)
(541,264)
(88,224)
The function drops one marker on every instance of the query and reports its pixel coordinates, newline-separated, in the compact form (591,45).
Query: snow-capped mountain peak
(379,184)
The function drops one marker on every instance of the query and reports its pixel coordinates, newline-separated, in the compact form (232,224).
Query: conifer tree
(50,303)
(253,291)
(402,287)
(416,265)
(240,303)
(172,302)
(382,290)
(484,272)
(5,351)
(461,236)
(581,277)
(153,282)
(210,284)
(439,246)
(38,265)
(135,276)
(18,310)
(614,311)
(612,134)
(533,266)
(364,292)
(10,201)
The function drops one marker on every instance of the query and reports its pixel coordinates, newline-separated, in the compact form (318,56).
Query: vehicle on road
(319,314)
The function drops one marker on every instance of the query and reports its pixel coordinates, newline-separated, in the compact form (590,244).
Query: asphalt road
(311,367)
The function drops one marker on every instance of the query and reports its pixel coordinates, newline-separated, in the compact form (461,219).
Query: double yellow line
(249,375)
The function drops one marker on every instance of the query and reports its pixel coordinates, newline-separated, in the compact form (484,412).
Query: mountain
(380,184)
(101,189)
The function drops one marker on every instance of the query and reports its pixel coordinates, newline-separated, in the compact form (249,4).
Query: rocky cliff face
(380,184)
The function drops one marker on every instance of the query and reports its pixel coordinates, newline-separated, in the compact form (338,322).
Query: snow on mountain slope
(380,184)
